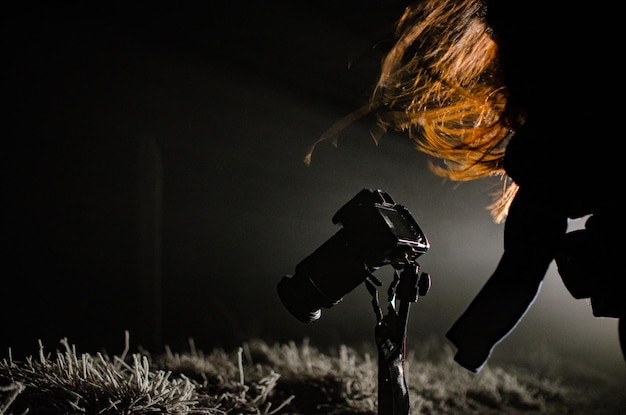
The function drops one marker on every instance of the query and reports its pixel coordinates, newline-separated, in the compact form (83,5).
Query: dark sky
(155,182)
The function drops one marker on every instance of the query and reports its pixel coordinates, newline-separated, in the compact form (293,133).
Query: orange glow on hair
(441,84)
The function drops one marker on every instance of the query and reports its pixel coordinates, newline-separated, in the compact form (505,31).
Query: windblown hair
(441,83)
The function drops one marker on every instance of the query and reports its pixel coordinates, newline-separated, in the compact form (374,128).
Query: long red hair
(441,83)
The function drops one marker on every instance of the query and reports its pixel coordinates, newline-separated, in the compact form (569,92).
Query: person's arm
(533,228)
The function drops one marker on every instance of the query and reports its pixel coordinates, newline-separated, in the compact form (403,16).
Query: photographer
(559,164)
(514,89)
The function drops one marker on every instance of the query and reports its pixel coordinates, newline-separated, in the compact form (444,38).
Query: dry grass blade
(293,379)
(73,383)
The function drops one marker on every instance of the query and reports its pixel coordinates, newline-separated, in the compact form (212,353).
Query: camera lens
(300,297)
(322,279)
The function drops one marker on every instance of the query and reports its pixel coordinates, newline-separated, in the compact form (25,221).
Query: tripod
(390,334)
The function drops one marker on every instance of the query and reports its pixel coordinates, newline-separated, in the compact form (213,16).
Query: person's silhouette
(514,89)
(560,167)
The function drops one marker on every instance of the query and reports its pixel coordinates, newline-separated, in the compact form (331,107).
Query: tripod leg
(393,396)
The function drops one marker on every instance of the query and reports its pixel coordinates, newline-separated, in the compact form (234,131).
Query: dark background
(154,181)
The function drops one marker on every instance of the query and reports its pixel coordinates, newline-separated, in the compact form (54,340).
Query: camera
(375,232)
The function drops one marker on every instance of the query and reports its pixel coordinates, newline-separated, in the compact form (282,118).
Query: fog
(155,183)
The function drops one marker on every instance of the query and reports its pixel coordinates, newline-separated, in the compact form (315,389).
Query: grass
(259,378)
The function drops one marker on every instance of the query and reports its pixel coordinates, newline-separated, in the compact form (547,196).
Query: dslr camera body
(375,232)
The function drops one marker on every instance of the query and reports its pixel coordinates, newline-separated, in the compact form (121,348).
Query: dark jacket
(563,160)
